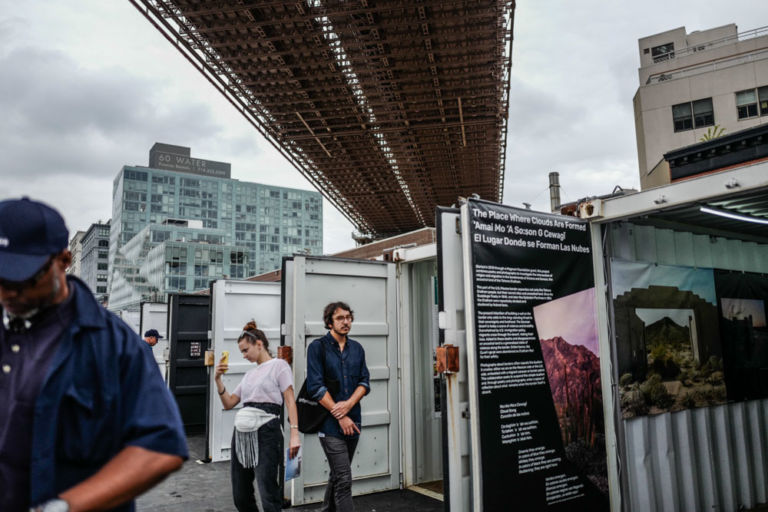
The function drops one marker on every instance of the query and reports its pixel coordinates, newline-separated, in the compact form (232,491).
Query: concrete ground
(206,488)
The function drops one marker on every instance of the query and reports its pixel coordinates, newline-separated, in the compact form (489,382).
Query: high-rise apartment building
(696,86)
(75,248)
(94,259)
(182,222)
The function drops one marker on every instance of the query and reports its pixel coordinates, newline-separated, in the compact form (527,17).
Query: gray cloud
(61,118)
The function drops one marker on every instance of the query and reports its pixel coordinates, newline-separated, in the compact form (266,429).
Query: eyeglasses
(347,318)
(18,286)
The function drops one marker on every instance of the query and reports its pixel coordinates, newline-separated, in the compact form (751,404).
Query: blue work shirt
(25,356)
(347,368)
(102,392)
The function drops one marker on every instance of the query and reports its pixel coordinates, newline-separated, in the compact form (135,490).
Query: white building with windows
(95,258)
(76,249)
(695,86)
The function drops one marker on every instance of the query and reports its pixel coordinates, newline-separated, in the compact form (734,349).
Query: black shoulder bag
(312,415)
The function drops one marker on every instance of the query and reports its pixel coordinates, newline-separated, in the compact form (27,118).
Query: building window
(703,113)
(663,52)
(752,103)
(746,104)
(695,114)
(681,115)
(136,175)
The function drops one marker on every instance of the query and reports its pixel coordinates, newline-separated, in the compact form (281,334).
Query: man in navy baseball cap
(34,256)
(151,337)
(57,345)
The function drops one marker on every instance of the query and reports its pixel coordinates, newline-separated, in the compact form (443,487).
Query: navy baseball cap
(30,232)
(153,332)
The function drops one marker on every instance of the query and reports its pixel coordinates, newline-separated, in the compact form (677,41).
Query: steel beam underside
(390,108)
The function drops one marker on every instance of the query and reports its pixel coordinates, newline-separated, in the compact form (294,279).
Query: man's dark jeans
(266,473)
(338,493)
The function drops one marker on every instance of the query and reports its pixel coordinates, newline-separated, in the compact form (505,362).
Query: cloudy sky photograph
(569,317)
(88,86)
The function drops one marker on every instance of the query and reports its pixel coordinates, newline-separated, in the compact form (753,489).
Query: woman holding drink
(257,442)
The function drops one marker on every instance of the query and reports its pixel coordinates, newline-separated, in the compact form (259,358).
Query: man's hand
(341,409)
(348,426)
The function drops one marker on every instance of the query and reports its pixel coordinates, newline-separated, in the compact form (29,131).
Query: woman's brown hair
(251,333)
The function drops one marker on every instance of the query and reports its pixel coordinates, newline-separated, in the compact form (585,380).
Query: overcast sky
(87,86)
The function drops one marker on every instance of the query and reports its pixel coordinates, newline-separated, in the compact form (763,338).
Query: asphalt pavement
(200,487)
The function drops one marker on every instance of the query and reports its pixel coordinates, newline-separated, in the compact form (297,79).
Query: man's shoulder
(317,342)
(98,323)
(351,342)
(316,345)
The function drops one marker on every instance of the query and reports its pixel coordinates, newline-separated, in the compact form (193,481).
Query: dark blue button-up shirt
(102,391)
(25,357)
(347,368)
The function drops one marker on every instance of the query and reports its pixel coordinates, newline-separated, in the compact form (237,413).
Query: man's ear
(66,258)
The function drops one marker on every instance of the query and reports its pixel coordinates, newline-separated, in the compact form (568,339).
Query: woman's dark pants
(266,474)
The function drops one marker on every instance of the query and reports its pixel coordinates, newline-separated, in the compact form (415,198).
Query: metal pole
(554,191)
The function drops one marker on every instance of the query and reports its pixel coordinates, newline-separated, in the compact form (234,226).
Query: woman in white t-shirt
(257,442)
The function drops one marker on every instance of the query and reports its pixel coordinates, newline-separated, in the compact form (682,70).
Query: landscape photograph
(567,331)
(666,328)
(678,375)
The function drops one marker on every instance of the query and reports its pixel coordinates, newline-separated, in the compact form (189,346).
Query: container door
(235,303)
(154,315)
(187,375)
(369,288)
(455,389)
(132,318)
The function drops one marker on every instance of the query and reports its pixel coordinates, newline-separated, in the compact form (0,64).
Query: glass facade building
(176,230)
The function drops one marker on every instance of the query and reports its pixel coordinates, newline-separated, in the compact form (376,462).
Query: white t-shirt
(265,383)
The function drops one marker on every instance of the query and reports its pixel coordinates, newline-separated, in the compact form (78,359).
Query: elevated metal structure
(389,107)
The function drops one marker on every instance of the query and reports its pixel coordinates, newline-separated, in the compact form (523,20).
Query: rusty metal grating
(390,108)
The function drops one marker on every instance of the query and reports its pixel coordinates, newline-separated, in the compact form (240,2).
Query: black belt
(266,407)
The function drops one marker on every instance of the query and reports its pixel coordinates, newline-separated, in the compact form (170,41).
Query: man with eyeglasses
(338,378)
(86,422)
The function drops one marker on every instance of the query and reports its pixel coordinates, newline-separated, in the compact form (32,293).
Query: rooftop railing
(737,38)
(721,63)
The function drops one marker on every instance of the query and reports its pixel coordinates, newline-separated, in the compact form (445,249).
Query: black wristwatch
(54,505)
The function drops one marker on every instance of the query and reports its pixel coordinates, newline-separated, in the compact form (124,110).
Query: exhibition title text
(502,228)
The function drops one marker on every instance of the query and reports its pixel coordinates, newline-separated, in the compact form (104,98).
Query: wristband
(54,505)
(222,391)
(295,426)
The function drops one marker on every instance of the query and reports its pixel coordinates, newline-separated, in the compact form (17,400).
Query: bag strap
(324,361)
